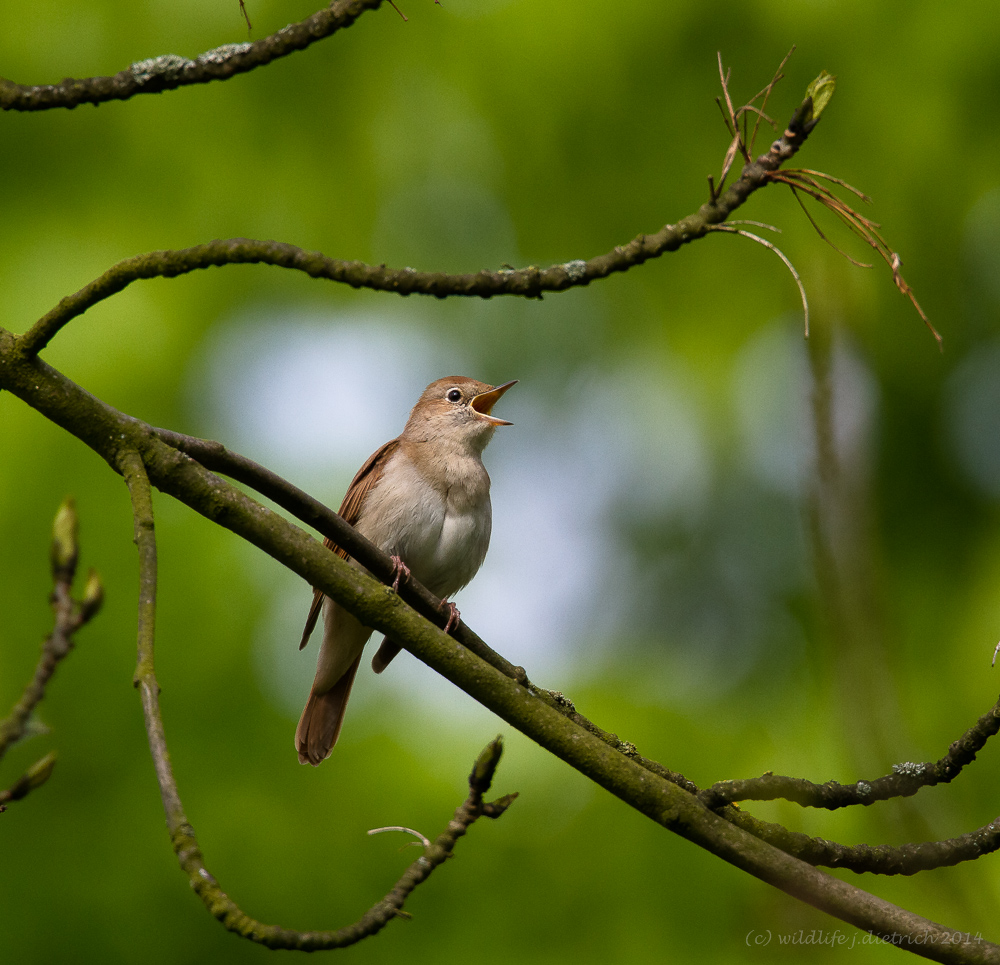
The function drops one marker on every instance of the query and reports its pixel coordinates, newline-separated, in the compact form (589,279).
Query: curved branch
(182,834)
(170,71)
(784,258)
(906,859)
(112,435)
(907,778)
(531,282)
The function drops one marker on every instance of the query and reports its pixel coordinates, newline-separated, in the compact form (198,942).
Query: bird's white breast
(440,531)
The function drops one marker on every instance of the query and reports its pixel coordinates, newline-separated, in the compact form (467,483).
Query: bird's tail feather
(322,718)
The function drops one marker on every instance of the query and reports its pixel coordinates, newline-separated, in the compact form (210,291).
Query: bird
(424,499)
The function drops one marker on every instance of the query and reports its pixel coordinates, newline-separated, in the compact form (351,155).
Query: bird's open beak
(484,402)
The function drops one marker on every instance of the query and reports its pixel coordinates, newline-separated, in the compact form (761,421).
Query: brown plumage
(423,498)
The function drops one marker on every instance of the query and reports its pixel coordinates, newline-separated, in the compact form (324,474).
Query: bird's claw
(400,571)
(454,617)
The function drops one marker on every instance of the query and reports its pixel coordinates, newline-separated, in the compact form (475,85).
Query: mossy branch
(530,282)
(879,859)
(170,71)
(905,780)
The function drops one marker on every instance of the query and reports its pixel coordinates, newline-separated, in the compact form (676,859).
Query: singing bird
(424,499)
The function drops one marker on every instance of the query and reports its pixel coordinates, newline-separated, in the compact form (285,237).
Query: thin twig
(829,177)
(905,780)
(425,841)
(760,115)
(806,180)
(778,75)
(70,616)
(767,244)
(725,117)
(819,231)
(733,119)
(756,224)
(727,162)
(33,778)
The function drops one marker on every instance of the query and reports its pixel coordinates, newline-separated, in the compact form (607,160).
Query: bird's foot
(400,571)
(453,615)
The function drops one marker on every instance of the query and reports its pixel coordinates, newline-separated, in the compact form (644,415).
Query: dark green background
(472,135)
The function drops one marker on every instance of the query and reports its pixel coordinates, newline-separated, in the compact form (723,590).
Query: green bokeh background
(476,134)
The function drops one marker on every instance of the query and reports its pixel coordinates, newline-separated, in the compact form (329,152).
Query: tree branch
(118,439)
(907,778)
(34,777)
(69,617)
(528,282)
(170,71)
(906,859)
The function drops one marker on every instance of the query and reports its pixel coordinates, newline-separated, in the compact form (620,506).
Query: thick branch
(170,71)
(528,282)
(216,457)
(112,435)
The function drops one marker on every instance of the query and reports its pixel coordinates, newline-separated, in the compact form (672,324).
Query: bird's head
(457,409)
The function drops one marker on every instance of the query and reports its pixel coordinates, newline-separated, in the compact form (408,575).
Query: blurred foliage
(479,133)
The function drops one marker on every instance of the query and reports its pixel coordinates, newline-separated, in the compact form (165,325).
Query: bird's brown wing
(363,482)
(317,604)
(350,511)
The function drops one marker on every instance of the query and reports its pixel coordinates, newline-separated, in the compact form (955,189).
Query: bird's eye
(454,395)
